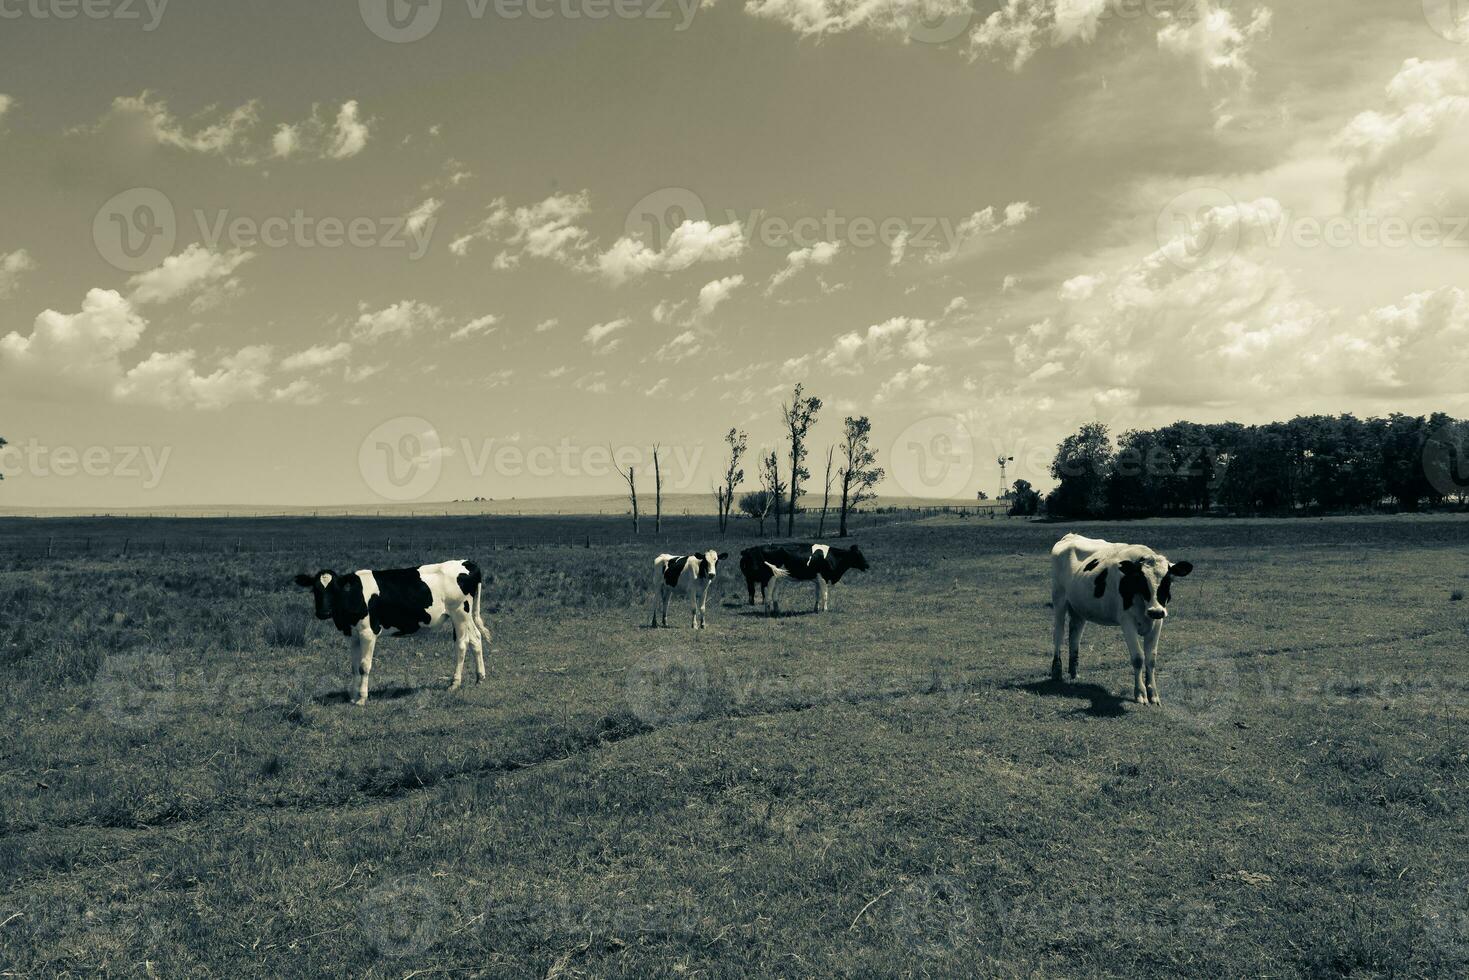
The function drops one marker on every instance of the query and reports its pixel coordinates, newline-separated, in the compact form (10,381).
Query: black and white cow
(820,564)
(362,604)
(1126,585)
(695,573)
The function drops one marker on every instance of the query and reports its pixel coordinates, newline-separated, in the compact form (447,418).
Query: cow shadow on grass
(1100,702)
(376,694)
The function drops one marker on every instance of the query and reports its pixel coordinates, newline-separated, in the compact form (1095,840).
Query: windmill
(1004,484)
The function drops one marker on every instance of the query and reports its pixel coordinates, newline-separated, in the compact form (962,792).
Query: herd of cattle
(1092,581)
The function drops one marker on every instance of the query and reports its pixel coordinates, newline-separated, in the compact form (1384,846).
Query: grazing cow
(1126,585)
(696,573)
(362,604)
(820,564)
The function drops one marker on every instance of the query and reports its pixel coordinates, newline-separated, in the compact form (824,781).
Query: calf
(820,564)
(1124,585)
(362,604)
(695,573)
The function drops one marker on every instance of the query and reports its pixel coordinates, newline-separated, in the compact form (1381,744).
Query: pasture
(893,788)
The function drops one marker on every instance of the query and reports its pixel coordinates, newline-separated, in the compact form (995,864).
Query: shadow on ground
(1101,703)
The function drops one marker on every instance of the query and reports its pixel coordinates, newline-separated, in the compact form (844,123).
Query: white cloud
(349,134)
(686,344)
(658,388)
(217,133)
(6,104)
(546,326)
(915,378)
(850,351)
(420,217)
(12,266)
(1211,39)
(358,374)
(690,243)
(545,230)
(1010,284)
(967,235)
(194,270)
(1428,98)
(317,357)
(404,318)
(599,332)
(716,292)
(1080,287)
(299,392)
(481,325)
(286,141)
(84,350)
(1020,28)
(822,253)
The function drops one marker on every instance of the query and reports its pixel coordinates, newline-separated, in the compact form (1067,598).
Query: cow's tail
(478,604)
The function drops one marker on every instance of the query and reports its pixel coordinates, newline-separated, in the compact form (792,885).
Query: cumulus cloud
(233,133)
(546,326)
(196,270)
(84,351)
(1427,98)
(716,292)
(548,229)
(818,17)
(686,344)
(13,265)
(420,217)
(401,319)
(349,134)
(480,325)
(822,253)
(1020,28)
(963,237)
(915,378)
(317,357)
(690,243)
(900,334)
(1080,287)
(599,332)
(1211,38)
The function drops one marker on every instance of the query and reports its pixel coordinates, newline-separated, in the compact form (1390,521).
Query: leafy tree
(757,504)
(734,475)
(798,417)
(1082,465)
(1025,501)
(860,473)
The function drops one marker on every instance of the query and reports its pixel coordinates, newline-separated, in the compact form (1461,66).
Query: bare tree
(826,494)
(733,476)
(632,492)
(860,474)
(798,416)
(657,493)
(773,486)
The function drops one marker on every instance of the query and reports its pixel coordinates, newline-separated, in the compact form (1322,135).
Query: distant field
(891,789)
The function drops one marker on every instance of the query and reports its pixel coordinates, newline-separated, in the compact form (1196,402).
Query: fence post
(125,547)
(49,543)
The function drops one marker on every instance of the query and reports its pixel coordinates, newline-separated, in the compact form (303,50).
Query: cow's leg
(483,636)
(1150,652)
(1057,634)
(366,641)
(750,585)
(354,656)
(816,584)
(461,648)
(1135,650)
(1078,626)
(657,598)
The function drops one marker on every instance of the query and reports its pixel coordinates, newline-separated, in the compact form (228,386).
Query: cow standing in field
(820,564)
(695,573)
(362,604)
(1126,585)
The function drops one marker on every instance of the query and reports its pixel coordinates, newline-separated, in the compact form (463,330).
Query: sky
(297,254)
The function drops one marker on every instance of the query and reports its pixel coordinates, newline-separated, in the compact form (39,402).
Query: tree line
(1311,463)
(781,472)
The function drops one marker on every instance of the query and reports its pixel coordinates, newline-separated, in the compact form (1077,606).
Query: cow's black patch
(674,570)
(402,602)
(346,603)
(468,606)
(470,580)
(1134,584)
(1101,587)
(1165,589)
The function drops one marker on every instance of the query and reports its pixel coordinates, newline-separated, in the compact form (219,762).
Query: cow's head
(323,586)
(850,558)
(1146,587)
(709,563)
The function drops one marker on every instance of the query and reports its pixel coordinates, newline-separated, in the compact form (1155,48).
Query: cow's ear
(305,581)
(723,555)
(1181,568)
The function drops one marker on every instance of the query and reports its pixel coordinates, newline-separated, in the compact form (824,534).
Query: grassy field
(891,789)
